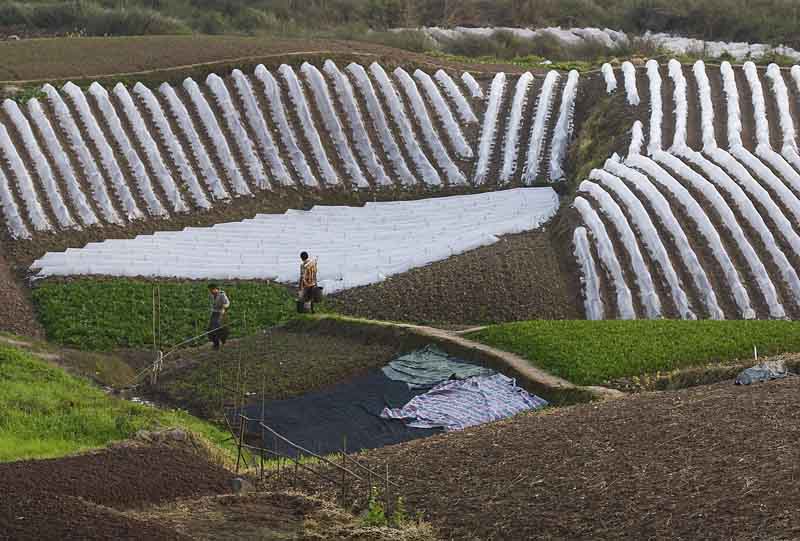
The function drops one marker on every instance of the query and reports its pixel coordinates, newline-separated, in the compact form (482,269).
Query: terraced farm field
(90,158)
(701,218)
(432,194)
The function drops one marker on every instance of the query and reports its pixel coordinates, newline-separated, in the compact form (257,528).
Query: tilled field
(518,278)
(173,57)
(715,462)
(78,497)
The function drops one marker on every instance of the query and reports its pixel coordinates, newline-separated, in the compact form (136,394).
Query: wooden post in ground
(241,442)
(344,466)
(386,492)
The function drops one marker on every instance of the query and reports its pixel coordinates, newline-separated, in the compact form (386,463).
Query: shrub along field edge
(107,314)
(596,352)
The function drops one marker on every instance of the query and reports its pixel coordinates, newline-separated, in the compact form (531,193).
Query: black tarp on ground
(319,421)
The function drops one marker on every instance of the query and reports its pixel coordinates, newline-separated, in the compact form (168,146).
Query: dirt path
(720,460)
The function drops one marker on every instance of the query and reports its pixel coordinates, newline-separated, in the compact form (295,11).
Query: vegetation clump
(727,20)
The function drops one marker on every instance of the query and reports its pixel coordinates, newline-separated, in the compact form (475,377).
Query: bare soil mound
(79,497)
(122,477)
(53,516)
(716,462)
(518,278)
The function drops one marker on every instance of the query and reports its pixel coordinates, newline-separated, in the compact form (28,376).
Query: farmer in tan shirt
(308,279)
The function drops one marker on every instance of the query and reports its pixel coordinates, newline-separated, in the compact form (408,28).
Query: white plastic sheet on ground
(355,245)
(429,135)
(78,146)
(681,103)
(233,120)
(539,128)
(322,97)
(746,209)
(704,225)
(664,214)
(656,107)
(563,129)
(397,110)
(590,278)
(706,106)
(637,139)
(375,110)
(151,151)
(275,102)
(459,404)
(309,128)
(207,170)
(649,236)
(474,88)
(107,158)
(445,115)
(61,162)
(174,149)
(36,214)
(358,128)
(489,132)
(454,92)
(255,118)
(14,222)
(641,273)
(631,90)
(40,164)
(511,149)
(608,257)
(218,140)
(751,258)
(120,137)
(610,78)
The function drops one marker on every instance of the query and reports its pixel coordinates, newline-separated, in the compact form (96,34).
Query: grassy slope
(44,412)
(107,314)
(589,352)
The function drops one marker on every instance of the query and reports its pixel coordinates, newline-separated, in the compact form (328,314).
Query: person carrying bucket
(308,289)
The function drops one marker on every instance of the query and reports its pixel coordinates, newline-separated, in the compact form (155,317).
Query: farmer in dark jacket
(219,304)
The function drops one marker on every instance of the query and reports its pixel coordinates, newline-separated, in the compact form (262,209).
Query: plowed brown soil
(517,278)
(715,462)
(171,58)
(17,315)
(69,498)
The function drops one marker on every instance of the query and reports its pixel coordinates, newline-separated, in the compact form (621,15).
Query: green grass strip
(47,413)
(593,352)
(102,315)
